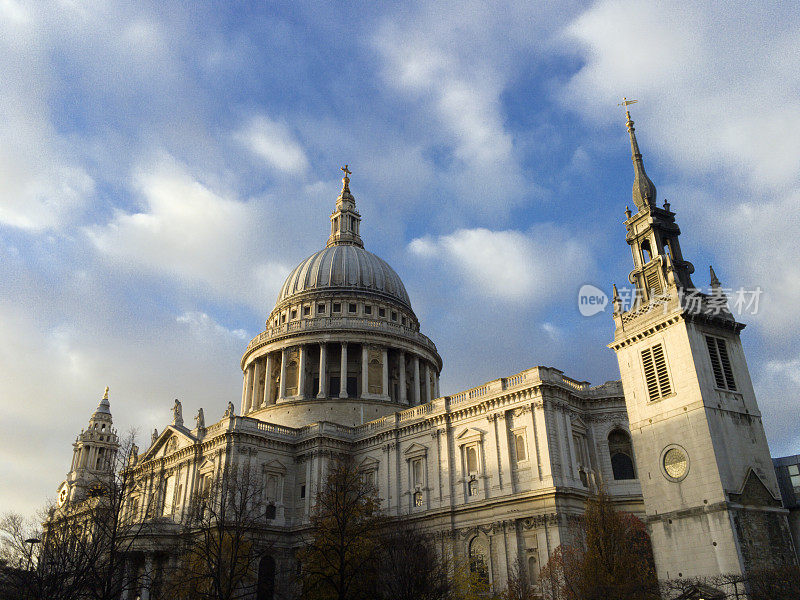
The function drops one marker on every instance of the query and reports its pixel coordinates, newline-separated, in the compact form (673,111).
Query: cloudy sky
(162,169)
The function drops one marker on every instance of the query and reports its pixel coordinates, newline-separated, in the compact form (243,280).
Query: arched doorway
(266,579)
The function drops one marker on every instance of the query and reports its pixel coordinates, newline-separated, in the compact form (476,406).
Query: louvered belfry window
(654,283)
(655,372)
(721,363)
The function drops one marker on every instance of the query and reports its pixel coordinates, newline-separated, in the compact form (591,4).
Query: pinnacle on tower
(714,281)
(345,220)
(644,190)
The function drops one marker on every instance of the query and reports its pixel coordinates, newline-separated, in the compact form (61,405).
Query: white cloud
(529,268)
(456,90)
(273,142)
(203,325)
(42,186)
(193,233)
(717,81)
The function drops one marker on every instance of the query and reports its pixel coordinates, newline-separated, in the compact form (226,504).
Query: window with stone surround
(520,446)
(620,450)
(352,307)
(381,312)
(306,311)
(720,363)
(337,307)
(320,309)
(656,375)
(367,309)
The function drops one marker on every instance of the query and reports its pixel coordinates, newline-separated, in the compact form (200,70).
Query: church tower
(710,491)
(93,456)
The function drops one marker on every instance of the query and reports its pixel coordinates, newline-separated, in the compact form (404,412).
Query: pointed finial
(714,281)
(666,204)
(105,395)
(616,300)
(644,190)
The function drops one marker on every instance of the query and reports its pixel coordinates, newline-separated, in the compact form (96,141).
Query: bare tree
(339,558)
(410,567)
(223,539)
(519,585)
(612,561)
(79,551)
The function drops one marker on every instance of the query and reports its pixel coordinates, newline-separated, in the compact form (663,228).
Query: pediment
(275,466)
(470,433)
(754,492)
(415,449)
(579,424)
(207,465)
(368,464)
(157,449)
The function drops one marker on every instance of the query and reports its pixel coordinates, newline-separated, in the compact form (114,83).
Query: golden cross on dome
(346,171)
(625,102)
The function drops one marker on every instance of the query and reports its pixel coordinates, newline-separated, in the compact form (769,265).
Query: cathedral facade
(502,470)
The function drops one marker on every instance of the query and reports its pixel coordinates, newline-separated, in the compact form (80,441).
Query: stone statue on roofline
(177,414)
(200,419)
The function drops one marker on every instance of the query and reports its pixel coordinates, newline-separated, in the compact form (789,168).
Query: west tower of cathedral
(710,493)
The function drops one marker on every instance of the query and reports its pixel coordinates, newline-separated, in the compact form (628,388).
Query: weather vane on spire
(346,171)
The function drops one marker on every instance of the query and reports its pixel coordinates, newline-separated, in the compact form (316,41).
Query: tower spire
(644,190)
(345,220)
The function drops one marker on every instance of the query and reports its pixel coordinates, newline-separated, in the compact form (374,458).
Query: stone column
(301,373)
(268,382)
(282,384)
(364,370)
(258,369)
(385,374)
(147,577)
(244,390)
(415,391)
(126,578)
(504,455)
(427,380)
(403,392)
(343,372)
(323,368)
(436,385)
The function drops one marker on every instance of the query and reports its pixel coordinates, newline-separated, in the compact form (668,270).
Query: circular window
(675,463)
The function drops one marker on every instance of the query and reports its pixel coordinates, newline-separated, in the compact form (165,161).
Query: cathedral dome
(348,268)
(342,344)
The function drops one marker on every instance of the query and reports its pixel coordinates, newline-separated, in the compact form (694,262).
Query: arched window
(479,560)
(621,452)
(647,254)
(266,579)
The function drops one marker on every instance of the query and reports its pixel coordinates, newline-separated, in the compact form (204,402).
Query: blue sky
(162,169)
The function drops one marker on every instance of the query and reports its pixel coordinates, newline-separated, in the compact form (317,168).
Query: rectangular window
(519,447)
(472,459)
(337,307)
(302,492)
(416,472)
(351,307)
(655,372)
(381,312)
(294,313)
(794,476)
(720,363)
(320,309)
(394,316)
(367,309)
(404,321)
(306,311)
